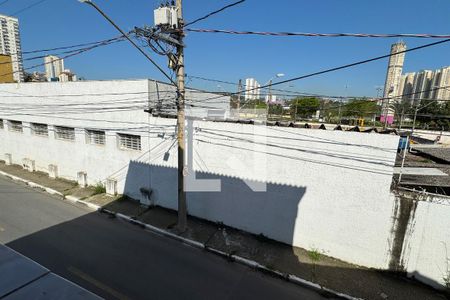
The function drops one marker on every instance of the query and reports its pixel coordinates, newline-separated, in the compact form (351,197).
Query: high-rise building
(393,78)
(406,86)
(441,84)
(54,66)
(10,45)
(425,85)
(422,85)
(252,89)
(6,71)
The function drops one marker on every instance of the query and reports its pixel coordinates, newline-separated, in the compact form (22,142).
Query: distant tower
(10,45)
(393,79)
(54,66)
(252,91)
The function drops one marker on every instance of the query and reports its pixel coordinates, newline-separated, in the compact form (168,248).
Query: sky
(56,23)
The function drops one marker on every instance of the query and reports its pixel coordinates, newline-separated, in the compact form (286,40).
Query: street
(117,260)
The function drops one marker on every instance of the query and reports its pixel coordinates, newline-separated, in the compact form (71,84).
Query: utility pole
(181,93)
(386,113)
(269,99)
(339,112)
(239,99)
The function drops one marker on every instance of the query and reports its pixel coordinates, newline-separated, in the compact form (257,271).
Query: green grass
(99,188)
(314,254)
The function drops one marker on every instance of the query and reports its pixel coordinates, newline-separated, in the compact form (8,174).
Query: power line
(296,93)
(341,67)
(292,93)
(80,51)
(105,42)
(89,2)
(343,105)
(73,46)
(4,2)
(28,7)
(309,34)
(214,12)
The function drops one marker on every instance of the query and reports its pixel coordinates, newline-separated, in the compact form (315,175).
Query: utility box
(166,16)
(82,179)
(111,186)
(8,159)
(53,171)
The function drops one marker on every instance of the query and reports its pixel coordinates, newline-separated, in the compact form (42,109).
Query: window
(95,137)
(1,124)
(64,133)
(39,129)
(15,126)
(129,142)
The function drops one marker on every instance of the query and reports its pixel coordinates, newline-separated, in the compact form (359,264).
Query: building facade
(6,70)
(393,79)
(425,85)
(67,75)
(441,84)
(252,89)
(10,45)
(54,66)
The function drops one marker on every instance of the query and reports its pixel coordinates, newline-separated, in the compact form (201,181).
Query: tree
(304,107)
(275,109)
(434,115)
(401,109)
(360,108)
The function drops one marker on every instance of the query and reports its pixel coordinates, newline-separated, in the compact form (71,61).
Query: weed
(99,188)
(447,280)
(314,254)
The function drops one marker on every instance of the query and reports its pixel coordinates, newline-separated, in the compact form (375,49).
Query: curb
(244,261)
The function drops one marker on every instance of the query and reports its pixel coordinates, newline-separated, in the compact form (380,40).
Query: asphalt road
(117,260)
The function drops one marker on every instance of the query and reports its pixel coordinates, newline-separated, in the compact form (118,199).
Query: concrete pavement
(117,260)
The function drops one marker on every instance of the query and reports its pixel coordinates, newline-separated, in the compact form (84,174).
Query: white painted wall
(426,253)
(328,190)
(432,135)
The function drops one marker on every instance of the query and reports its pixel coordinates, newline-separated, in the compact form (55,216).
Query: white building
(271,98)
(395,69)
(67,75)
(10,44)
(252,89)
(54,66)
(274,181)
(393,78)
(422,85)
(441,84)
(425,85)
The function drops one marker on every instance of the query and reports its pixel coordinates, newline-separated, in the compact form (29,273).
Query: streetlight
(269,99)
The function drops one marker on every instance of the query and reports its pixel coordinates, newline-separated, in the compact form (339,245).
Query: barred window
(64,133)
(1,124)
(95,137)
(15,126)
(39,129)
(129,142)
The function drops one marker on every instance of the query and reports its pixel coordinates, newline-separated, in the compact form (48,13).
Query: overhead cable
(309,34)
(213,13)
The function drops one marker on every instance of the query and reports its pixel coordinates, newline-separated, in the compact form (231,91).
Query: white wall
(426,252)
(432,135)
(328,190)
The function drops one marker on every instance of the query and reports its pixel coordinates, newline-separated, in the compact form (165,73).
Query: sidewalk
(311,265)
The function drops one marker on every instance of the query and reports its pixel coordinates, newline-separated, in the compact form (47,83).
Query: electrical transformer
(166,16)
